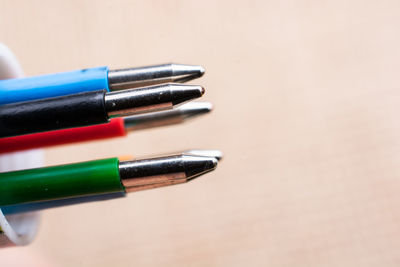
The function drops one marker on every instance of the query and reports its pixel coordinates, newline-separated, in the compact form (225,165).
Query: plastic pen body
(53,85)
(60,182)
(50,114)
(115,128)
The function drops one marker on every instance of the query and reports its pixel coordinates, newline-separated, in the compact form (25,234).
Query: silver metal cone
(151,75)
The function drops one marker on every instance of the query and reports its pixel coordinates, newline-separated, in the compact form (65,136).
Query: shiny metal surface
(150,75)
(206,153)
(167,117)
(217,154)
(132,189)
(155,172)
(149,99)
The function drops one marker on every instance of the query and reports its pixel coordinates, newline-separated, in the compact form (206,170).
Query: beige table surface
(307,112)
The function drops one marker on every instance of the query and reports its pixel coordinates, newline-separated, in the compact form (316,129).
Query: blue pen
(93,79)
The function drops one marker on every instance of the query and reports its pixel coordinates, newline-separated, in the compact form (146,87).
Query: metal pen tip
(198,165)
(151,75)
(182,92)
(149,99)
(184,73)
(206,153)
(161,171)
(194,109)
(167,117)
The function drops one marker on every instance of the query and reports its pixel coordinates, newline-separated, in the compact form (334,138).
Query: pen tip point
(206,153)
(193,109)
(215,162)
(184,93)
(202,90)
(201,71)
(198,165)
(185,73)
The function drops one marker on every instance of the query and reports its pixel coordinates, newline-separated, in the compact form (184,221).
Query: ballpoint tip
(215,162)
(217,154)
(208,106)
(184,73)
(202,90)
(184,92)
(196,107)
(161,171)
(201,71)
(198,165)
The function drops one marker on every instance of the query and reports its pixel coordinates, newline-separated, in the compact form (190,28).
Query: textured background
(306,98)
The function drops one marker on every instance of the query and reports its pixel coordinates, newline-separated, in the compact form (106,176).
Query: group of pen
(90,104)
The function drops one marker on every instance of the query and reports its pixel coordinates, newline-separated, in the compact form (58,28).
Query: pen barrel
(60,182)
(53,85)
(56,113)
(115,128)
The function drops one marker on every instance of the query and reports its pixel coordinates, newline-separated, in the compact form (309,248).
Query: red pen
(117,127)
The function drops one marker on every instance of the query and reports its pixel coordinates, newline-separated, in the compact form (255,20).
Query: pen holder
(17,229)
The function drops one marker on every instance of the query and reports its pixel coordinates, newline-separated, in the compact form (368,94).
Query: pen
(100,177)
(115,128)
(90,108)
(93,79)
(37,206)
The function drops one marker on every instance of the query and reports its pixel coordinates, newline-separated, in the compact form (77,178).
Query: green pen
(100,177)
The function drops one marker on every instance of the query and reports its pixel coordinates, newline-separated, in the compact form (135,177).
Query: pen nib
(206,153)
(167,117)
(198,165)
(183,73)
(182,92)
(156,172)
(151,75)
(194,109)
(149,99)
